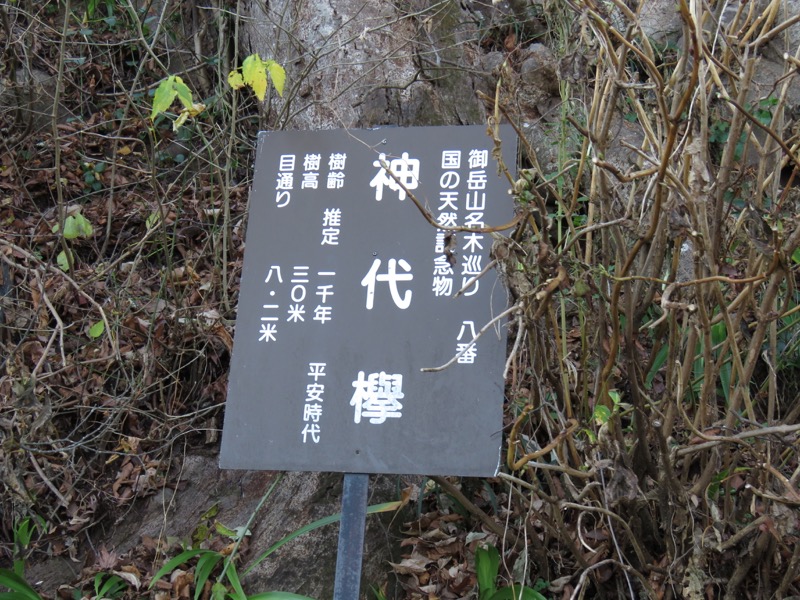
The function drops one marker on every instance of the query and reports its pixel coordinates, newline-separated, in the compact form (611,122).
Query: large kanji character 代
(391,277)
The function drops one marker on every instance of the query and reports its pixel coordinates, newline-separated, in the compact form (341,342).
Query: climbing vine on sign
(253,73)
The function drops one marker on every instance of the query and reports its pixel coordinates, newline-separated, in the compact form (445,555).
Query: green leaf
(16,596)
(277,75)
(96,330)
(182,558)
(212,512)
(601,414)
(226,531)
(76,226)
(719,333)
(63,261)
(183,92)
(108,586)
(250,67)
(23,532)
(524,593)
(487,565)
(233,577)
(152,220)
(20,590)
(164,96)
(659,361)
(796,256)
(176,124)
(218,591)
(205,564)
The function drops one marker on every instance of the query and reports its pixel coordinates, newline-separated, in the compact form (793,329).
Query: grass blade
(183,557)
(375,508)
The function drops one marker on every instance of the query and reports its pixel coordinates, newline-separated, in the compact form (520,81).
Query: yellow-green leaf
(76,226)
(218,591)
(96,330)
(259,86)
(162,100)
(196,109)
(223,530)
(63,261)
(176,124)
(277,74)
(183,92)
(250,66)
(235,80)
(601,414)
(255,75)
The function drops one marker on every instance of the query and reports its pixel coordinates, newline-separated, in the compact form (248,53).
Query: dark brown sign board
(347,293)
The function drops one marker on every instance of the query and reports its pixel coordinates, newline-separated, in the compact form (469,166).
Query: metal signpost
(348,293)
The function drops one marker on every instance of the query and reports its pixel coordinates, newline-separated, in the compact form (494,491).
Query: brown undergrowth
(653,400)
(115,336)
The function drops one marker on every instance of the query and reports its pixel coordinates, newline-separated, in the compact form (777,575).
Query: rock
(660,21)
(305,565)
(33,93)
(539,67)
(491,63)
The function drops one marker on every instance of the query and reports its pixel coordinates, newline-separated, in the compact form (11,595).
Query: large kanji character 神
(404,169)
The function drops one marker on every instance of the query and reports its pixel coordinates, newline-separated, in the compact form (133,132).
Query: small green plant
(253,73)
(717,484)
(487,567)
(377,592)
(602,414)
(92,17)
(75,226)
(93,175)
(227,585)
(23,534)
(170,88)
(108,586)
(14,580)
(20,590)
(719,335)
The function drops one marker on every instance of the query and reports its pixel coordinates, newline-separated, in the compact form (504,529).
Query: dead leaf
(106,560)
(413,565)
(131,575)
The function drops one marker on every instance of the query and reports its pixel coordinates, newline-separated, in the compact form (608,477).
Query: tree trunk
(352,63)
(357,64)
